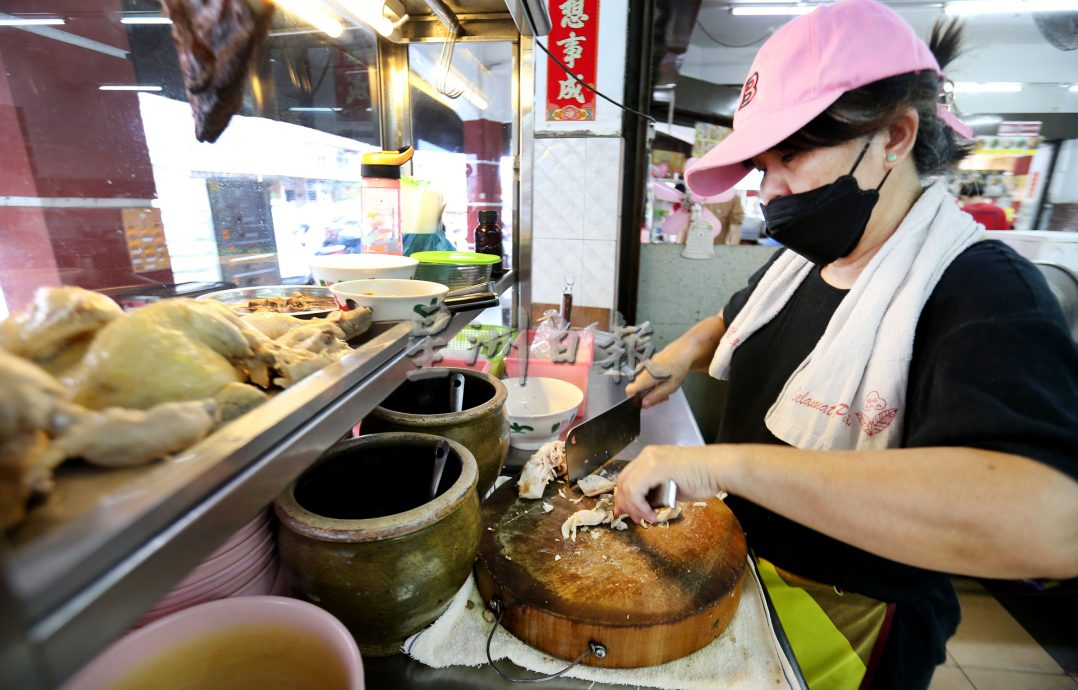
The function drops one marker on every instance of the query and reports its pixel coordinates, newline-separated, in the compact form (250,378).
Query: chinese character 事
(573,15)
(573,50)
(571,88)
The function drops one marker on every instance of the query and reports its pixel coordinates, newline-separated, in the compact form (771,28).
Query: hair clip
(946,94)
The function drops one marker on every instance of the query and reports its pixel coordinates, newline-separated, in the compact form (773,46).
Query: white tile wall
(559,188)
(577,196)
(602,189)
(600,260)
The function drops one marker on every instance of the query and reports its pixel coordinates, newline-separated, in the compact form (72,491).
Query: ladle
(456,392)
(441,452)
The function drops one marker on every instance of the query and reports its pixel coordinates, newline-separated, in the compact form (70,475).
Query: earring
(892,157)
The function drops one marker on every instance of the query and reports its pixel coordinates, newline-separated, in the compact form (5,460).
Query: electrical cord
(589,87)
(730,45)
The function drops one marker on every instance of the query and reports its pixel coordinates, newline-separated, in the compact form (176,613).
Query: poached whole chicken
(135,387)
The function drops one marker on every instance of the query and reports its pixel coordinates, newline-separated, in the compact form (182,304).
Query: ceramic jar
(360,536)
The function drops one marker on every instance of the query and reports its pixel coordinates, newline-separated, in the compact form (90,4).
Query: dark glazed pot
(360,537)
(422,404)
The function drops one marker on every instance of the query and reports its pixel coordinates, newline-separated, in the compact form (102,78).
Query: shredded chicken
(595,485)
(603,514)
(541,468)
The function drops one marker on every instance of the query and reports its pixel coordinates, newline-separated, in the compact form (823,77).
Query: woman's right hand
(671,361)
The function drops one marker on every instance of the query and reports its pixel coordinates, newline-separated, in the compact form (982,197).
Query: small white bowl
(540,410)
(389,299)
(337,268)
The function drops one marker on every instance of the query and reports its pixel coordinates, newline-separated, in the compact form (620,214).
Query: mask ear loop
(858,162)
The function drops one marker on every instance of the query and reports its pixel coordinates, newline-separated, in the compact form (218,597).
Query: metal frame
(637,133)
(396,124)
(524,95)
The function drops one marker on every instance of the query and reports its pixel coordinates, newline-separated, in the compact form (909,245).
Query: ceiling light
(987,87)
(770,11)
(969,7)
(313,15)
(145,20)
(128,87)
(365,12)
(17,21)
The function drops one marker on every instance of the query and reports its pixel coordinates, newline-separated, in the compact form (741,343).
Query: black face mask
(826,223)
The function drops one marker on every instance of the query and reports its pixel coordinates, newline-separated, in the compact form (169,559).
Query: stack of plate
(245,565)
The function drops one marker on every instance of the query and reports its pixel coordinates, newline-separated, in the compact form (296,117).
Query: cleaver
(594,441)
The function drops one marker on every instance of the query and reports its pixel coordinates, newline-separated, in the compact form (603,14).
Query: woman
(971,200)
(903,396)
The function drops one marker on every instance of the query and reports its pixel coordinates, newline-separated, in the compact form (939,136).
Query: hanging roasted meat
(216,40)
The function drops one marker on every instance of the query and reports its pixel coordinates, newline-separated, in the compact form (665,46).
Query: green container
(493,342)
(454,269)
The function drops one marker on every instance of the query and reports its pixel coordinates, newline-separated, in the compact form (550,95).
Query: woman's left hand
(698,471)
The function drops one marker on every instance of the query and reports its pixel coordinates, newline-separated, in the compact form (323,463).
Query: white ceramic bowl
(391,300)
(540,410)
(337,268)
(222,618)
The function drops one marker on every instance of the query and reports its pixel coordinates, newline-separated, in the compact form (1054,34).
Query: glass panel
(464,145)
(109,189)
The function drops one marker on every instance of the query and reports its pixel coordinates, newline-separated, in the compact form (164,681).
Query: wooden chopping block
(649,595)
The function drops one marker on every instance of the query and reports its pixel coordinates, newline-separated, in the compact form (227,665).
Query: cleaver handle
(664,495)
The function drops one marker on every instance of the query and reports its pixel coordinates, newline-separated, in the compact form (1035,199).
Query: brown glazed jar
(360,536)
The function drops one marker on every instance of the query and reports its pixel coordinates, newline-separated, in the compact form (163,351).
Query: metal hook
(593,648)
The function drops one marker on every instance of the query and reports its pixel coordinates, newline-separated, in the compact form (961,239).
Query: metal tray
(237,298)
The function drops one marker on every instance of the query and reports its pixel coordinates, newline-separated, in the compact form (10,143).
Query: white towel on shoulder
(850,392)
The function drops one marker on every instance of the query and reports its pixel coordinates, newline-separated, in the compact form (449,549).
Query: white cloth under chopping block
(746,656)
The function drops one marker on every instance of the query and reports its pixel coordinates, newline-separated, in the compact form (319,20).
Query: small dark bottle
(488,239)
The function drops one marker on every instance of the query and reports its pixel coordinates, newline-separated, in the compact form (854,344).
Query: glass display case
(105,186)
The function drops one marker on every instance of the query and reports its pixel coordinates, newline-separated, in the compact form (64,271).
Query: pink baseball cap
(804,68)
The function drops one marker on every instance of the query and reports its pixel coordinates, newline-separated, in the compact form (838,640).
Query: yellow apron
(835,636)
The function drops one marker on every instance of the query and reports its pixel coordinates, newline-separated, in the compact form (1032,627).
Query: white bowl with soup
(391,299)
(244,643)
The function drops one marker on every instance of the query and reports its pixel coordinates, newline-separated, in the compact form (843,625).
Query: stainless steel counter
(669,423)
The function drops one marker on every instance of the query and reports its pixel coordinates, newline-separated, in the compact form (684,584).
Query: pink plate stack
(245,565)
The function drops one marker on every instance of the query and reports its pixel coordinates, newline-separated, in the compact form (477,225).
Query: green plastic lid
(443,257)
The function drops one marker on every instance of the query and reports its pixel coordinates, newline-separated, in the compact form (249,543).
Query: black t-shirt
(993,367)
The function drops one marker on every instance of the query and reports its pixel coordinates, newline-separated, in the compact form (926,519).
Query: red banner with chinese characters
(573,39)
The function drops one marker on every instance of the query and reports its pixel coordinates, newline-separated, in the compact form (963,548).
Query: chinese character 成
(570,88)
(573,49)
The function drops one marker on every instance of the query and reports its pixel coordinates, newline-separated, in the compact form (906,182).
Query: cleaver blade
(594,441)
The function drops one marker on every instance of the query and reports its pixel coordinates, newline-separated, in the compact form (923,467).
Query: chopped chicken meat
(595,485)
(603,514)
(541,468)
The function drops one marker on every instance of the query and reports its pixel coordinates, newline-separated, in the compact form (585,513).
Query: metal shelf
(108,545)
